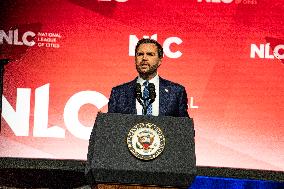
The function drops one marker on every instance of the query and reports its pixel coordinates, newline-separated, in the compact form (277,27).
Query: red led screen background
(67,55)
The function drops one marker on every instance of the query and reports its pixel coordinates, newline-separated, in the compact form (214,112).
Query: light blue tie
(146,95)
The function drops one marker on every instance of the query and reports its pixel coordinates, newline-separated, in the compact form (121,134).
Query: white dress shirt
(155,105)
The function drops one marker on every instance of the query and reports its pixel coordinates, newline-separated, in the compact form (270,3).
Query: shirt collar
(154,80)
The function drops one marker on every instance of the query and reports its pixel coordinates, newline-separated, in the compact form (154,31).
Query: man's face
(147,60)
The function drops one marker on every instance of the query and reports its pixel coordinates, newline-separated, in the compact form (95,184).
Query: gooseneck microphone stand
(142,100)
(3,62)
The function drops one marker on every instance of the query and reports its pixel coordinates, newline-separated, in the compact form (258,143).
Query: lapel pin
(167,90)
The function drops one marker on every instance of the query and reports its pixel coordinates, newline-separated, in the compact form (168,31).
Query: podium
(111,161)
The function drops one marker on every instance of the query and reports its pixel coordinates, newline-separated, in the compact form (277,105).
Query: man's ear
(160,62)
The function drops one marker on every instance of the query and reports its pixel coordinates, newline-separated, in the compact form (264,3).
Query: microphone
(151,97)
(152,92)
(138,94)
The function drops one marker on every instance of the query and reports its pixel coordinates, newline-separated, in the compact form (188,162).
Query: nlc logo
(263,51)
(13,38)
(166,45)
(19,119)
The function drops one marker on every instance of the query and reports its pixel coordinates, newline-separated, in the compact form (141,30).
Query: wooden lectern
(118,155)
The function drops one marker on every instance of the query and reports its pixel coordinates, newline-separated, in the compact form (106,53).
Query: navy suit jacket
(172,99)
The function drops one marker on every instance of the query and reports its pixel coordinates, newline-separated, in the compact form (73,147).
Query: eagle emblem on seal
(146,141)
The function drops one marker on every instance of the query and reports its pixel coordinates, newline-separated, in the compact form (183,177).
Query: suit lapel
(163,96)
(131,96)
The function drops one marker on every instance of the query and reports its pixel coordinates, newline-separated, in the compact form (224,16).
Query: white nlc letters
(166,45)
(18,119)
(263,51)
(12,38)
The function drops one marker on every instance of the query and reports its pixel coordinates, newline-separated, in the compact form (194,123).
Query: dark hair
(144,41)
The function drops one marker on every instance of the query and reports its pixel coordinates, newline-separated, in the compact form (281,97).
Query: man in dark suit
(171,98)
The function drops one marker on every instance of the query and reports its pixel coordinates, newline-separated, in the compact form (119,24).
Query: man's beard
(151,71)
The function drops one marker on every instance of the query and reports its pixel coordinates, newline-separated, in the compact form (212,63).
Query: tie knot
(146,83)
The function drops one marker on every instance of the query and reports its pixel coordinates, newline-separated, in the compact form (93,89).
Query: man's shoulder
(168,83)
(123,86)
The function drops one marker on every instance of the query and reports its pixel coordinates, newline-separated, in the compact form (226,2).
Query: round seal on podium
(146,141)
